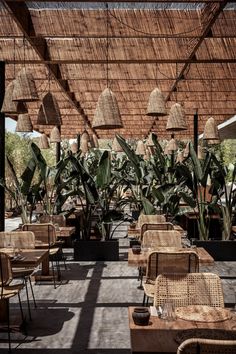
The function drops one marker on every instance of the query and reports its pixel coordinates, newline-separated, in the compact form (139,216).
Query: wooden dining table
(65,231)
(136,232)
(140,260)
(161,336)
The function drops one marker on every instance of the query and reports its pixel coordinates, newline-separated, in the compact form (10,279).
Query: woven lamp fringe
(43,142)
(74,148)
(140,149)
(211,130)
(176,120)
(12,107)
(107,113)
(55,135)
(116,146)
(24,87)
(24,124)
(156,104)
(49,112)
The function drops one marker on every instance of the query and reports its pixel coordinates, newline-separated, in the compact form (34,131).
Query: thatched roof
(187,49)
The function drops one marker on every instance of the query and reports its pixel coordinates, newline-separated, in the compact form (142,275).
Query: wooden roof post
(2,146)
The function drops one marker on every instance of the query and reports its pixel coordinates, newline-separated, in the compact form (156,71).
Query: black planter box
(220,250)
(96,250)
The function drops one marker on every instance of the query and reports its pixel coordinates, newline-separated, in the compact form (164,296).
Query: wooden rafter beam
(22,17)
(130,1)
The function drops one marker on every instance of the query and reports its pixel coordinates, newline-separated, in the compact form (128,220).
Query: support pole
(2,146)
(58,148)
(195,130)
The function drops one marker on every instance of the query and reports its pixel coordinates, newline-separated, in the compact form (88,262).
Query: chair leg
(31,287)
(8,327)
(53,274)
(27,296)
(22,314)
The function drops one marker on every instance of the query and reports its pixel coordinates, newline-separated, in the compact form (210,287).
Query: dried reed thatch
(24,124)
(116,146)
(107,113)
(49,112)
(156,104)
(12,107)
(140,149)
(55,135)
(43,142)
(176,120)
(211,130)
(24,87)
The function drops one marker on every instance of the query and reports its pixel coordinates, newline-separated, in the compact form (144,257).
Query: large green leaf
(147,206)
(39,159)
(196,163)
(28,176)
(189,200)
(104,171)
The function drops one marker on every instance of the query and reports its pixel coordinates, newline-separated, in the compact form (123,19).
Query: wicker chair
(207,346)
(189,289)
(157,226)
(162,238)
(150,219)
(164,263)
(21,240)
(7,291)
(45,235)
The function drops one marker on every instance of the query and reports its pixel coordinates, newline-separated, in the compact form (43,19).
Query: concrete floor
(87,313)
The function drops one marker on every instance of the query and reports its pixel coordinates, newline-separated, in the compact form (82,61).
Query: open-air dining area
(117,177)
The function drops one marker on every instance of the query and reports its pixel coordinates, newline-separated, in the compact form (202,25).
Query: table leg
(3,310)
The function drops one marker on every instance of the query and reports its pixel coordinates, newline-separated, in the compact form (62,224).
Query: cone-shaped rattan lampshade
(49,112)
(55,135)
(166,149)
(85,136)
(95,141)
(156,104)
(43,142)
(172,145)
(24,87)
(211,130)
(74,148)
(140,149)
(9,106)
(186,150)
(147,154)
(24,124)
(107,113)
(84,146)
(180,157)
(116,146)
(149,141)
(176,120)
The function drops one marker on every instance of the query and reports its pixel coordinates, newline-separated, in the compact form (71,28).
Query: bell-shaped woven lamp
(149,141)
(116,146)
(12,107)
(49,112)
(180,157)
(140,149)
(176,120)
(24,124)
(55,135)
(172,145)
(147,153)
(107,113)
(84,146)
(43,142)
(74,148)
(24,87)
(95,143)
(85,136)
(156,104)
(211,131)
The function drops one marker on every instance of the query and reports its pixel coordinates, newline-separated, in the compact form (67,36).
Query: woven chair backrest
(157,226)
(18,239)
(161,238)
(189,289)
(44,233)
(5,269)
(171,262)
(207,346)
(150,219)
(54,219)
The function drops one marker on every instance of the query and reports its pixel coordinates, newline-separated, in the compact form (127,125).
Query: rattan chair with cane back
(164,263)
(156,226)
(207,346)
(161,238)
(150,219)
(189,289)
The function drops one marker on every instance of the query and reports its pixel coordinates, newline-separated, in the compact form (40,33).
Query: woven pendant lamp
(74,148)
(172,145)
(147,154)
(12,107)
(49,112)
(24,124)
(107,113)
(55,135)
(156,104)
(211,130)
(187,150)
(176,120)
(84,146)
(116,146)
(43,142)
(24,87)
(149,141)
(140,149)
(94,140)
(180,157)
(85,136)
